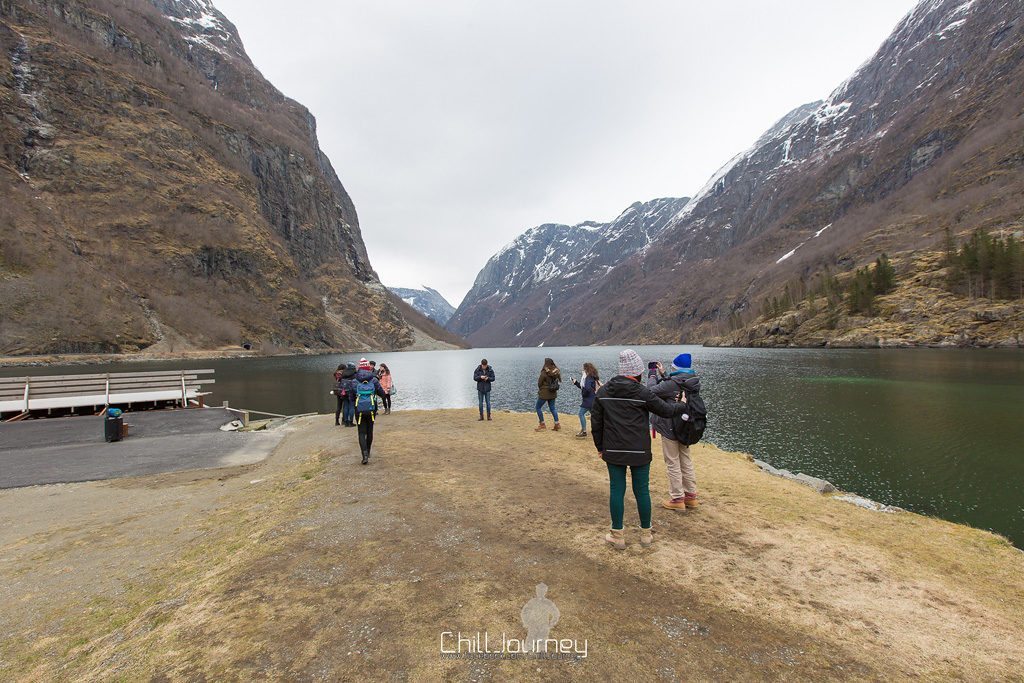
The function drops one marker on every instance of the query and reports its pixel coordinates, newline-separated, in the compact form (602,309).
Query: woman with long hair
(591,382)
(547,391)
(387,384)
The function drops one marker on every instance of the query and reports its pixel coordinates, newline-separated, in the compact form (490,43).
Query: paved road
(61,450)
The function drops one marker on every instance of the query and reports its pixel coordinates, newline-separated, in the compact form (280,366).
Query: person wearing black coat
(344,392)
(484,378)
(620,426)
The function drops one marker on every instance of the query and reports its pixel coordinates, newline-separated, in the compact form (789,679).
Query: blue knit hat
(681,362)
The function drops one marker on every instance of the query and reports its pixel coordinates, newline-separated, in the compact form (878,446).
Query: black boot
(366,457)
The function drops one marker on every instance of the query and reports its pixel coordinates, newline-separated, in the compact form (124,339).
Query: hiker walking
(484,378)
(387,384)
(619,424)
(547,391)
(366,392)
(591,383)
(677,384)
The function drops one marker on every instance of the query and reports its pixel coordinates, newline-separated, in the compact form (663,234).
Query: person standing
(367,391)
(345,392)
(484,378)
(548,383)
(339,394)
(620,421)
(387,384)
(591,383)
(677,384)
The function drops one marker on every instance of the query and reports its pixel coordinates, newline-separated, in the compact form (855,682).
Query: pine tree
(832,313)
(884,276)
(860,295)
(948,247)
(812,303)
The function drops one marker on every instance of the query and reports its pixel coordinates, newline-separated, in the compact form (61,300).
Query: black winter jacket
(479,375)
(620,420)
(669,388)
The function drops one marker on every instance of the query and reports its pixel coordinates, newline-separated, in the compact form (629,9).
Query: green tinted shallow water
(935,431)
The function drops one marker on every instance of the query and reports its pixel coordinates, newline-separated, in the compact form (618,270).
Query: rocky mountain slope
(520,295)
(920,311)
(927,134)
(156,192)
(427,301)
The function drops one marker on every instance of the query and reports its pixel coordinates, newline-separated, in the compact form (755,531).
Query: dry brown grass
(326,569)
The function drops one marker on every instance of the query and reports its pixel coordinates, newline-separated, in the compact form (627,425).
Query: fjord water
(939,432)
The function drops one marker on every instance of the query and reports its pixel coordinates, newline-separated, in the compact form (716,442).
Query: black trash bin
(112,428)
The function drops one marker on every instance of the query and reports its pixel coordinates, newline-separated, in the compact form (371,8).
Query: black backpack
(689,432)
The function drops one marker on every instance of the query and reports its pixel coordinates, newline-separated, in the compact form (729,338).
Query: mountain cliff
(520,294)
(156,192)
(926,136)
(427,301)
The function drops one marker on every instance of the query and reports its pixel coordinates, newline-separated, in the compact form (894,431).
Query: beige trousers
(681,477)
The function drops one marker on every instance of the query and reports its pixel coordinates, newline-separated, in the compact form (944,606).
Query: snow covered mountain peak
(540,267)
(203,26)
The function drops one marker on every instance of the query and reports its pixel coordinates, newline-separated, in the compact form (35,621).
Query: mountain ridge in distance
(427,301)
(925,136)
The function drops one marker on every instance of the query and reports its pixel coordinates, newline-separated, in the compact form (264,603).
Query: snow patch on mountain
(203,26)
(427,301)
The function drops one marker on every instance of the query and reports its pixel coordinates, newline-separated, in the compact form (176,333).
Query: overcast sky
(458,124)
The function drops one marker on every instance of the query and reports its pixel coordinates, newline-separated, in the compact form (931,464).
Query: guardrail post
(28,384)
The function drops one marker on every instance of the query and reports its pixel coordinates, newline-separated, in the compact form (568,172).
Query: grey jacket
(667,388)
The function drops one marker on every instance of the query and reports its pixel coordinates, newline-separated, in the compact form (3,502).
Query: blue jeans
(348,410)
(583,418)
(483,396)
(551,406)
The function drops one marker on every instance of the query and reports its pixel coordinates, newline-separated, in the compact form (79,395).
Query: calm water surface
(935,431)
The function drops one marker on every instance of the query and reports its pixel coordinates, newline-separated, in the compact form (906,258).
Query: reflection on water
(935,431)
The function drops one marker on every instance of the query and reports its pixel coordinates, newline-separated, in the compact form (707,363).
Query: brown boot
(646,537)
(541,427)
(674,504)
(691,500)
(616,538)
(556,427)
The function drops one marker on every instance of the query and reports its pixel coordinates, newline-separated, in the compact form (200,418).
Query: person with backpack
(387,384)
(548,383)
(367,390)
(619,423)
(484,378)
(679,433)
(591,383)
(344,392)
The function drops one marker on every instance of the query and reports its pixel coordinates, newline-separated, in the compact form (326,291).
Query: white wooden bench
(22,396)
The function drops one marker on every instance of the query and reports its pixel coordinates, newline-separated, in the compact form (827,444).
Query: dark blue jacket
(589,390)
(366,375)
(346,386)
(479,374)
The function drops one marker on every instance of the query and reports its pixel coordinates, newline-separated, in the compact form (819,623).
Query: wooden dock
(21,397)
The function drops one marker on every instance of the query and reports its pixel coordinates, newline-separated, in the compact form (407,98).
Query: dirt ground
(313,567)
